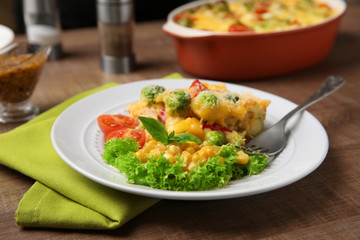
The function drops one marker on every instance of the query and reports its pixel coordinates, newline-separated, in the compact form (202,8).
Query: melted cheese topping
(258,15)
(245,115)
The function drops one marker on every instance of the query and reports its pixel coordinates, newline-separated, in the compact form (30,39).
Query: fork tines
(253,149)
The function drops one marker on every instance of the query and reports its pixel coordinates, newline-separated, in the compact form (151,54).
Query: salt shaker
(43,24)
(115,23)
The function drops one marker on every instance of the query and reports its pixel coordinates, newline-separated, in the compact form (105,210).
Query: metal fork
(273,140)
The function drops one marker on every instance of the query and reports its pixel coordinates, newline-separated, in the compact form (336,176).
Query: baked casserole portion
(204,106)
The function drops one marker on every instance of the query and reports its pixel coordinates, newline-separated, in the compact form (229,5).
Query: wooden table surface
(323,205)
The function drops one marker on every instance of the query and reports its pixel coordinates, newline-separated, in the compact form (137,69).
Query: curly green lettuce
(161,174)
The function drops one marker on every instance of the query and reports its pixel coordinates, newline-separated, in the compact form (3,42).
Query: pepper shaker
(43,24)
(115,23)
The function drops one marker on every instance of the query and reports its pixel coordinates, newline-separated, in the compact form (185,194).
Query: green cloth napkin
(61,197)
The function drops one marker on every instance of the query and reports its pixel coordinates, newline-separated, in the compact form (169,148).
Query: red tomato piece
(324,5)
(137,134)
(261,7)
(260,10)
(184,15)
(162,116)
(196,87)
(238,27)
(118,133)
(198,84)
(108,123)
(296,22)
(216,127)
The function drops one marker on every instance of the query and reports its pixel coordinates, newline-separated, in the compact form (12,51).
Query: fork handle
(331,84)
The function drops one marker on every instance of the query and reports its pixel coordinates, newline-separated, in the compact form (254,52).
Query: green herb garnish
(159,173)
(158,132)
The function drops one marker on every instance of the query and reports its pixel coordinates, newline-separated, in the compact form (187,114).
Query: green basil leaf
(156,129)
(185,137)
(172,135)
(158,132)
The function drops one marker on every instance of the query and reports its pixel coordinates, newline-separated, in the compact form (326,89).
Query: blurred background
(82,13)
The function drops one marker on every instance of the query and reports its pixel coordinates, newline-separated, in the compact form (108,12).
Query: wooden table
(323,205)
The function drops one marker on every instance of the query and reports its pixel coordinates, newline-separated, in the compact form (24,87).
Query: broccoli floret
(207,99)
(216,138)
(149,93)
(231,97)
(178,103)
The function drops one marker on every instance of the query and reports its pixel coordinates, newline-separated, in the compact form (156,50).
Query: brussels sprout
(232,97)
(221,7)
(149,93)
(306,3)
(250,6)
(178,103)
(207,99)
(216,138)
(186,22)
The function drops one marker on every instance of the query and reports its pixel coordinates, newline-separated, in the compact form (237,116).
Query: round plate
(6,36)
(79,142)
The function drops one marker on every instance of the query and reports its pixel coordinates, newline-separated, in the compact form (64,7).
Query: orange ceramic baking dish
(240,56)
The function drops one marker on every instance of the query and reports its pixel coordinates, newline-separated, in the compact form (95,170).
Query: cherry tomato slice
(137,134)
(108,123)
(238,27)
(118,133)
(196,87)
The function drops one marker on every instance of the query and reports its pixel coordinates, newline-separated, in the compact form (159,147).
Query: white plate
(79,142)
(6,36)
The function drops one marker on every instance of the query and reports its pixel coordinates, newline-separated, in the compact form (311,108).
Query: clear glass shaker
(43,24)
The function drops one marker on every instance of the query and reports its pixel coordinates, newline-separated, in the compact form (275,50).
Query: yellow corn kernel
(148,146)
(161,147)
(152,142)
(190,125)
(190,150)
(206,152)
(191,166)
(140,155)
(197,147)
(188,144)
(242,158)
(155,153)
(145,149)
(212,151)
(202,161)
(196,157)
(186,156)
(174,150)
(169,156)
(191,147)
